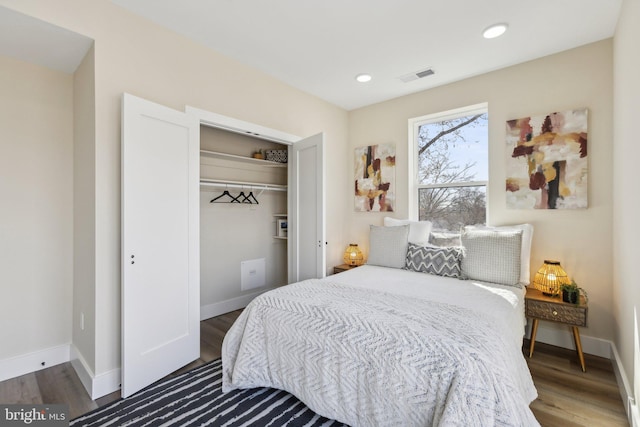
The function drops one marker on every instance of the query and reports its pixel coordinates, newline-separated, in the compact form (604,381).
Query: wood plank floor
(567,396)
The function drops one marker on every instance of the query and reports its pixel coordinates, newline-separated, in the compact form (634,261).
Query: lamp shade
(353,255)
(550,278)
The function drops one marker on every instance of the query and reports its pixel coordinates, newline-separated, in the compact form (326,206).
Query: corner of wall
(626,393)
(84,201)
(96,386)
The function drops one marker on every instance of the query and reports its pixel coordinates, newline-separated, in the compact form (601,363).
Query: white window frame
(414,129)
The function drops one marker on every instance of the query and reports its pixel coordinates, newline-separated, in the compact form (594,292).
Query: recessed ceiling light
(363,78)
(494,31)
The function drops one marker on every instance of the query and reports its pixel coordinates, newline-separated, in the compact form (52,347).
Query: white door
(160,242)
(306,238)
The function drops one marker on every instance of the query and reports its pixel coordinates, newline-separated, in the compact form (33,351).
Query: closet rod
(240,184)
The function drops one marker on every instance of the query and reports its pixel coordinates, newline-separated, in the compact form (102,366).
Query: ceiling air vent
(416,75)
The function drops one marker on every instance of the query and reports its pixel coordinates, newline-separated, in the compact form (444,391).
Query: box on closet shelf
(279,156)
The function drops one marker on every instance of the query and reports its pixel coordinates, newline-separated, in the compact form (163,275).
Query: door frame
(207,118)
(298,207)
(215,120)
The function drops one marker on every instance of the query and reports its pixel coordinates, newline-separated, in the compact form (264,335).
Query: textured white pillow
(492,256)
(444,239)
(525,249)
(418,230)
(388,246)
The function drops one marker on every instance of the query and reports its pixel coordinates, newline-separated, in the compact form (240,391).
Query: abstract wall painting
(547,161)
(375,174)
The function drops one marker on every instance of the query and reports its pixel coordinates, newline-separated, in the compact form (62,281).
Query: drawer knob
(555,313)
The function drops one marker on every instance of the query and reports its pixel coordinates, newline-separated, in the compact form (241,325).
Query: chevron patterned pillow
(439,261)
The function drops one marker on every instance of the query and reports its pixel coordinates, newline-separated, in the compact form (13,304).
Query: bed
(381,345)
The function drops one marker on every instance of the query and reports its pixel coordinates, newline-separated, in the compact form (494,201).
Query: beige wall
(580,239)
(84,208)
(136,56)
(36,217)
(626,231)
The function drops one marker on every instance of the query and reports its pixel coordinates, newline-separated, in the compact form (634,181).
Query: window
(449,155)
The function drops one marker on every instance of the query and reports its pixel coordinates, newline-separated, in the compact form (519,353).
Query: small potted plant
(258,154)
(571,292)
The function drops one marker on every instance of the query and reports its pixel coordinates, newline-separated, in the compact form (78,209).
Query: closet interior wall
(231,233)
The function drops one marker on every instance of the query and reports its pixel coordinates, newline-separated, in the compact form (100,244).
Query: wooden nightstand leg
(534,331)
(576,338)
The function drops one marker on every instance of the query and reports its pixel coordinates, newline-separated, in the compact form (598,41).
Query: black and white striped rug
(195,398)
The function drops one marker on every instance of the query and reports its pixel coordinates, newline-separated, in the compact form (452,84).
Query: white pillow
(444,239)
(525,250)
(491,256)
(388,246)
(418,230)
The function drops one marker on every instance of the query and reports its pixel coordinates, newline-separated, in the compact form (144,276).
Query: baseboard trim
(95,385)
(222,307)
(106,383)
(82,369)
(626,392)
(32,362)
(635,416)
(562,337)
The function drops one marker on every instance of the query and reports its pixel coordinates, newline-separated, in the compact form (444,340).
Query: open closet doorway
(243,219)
(261,219)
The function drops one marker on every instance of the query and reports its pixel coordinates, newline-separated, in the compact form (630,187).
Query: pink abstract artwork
(375,172)
(547,161)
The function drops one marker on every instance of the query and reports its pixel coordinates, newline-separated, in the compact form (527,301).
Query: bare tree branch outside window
(453,197)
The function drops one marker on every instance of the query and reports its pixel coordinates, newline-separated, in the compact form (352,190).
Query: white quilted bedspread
(370,358)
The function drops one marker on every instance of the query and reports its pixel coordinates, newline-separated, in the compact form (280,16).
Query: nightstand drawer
(571,315)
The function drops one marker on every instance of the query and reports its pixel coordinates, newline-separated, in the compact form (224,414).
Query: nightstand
(343,267)
(542,307)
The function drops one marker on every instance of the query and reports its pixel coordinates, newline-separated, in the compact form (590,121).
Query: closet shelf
(251,160)
(221,183)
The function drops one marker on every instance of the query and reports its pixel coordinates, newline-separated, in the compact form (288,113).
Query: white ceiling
(319,46)
(31,40)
